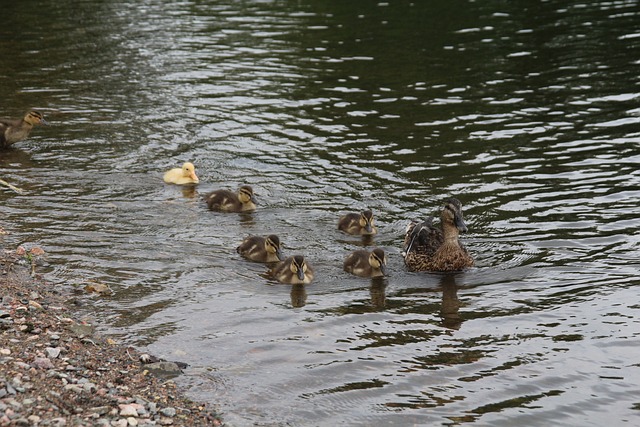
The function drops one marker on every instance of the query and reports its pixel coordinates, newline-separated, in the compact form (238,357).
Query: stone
(53,352)
(81,330)
(33,419)
(35,306)
(132,421)
(43,363)
(128,411)
(5,351)
(168,412)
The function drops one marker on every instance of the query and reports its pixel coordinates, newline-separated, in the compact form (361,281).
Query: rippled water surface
(528,112)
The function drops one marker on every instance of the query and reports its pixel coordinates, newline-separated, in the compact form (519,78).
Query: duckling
(261,249)
(366,264)
(358,223)
(293,271)
(12,131)
(227,201)
(427,248)
(181,176)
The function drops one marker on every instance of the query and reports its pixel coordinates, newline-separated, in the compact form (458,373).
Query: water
(525,111)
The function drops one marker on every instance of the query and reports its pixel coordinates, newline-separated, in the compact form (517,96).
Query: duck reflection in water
(298,296)
(450,309)
(377,290)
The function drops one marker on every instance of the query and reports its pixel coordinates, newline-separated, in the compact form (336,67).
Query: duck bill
(300,274)
(44,122)
(279,254)
(462,227)
(383,269)
(194,177)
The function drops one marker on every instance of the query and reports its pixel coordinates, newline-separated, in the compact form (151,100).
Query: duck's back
(357,262)
(223,200)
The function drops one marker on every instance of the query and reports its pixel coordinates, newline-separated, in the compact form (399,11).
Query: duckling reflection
(449,310)
(227,201)
(377,290)
(427,248)
(298,296)
(359,224)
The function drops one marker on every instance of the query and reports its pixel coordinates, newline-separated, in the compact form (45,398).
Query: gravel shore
(55,371)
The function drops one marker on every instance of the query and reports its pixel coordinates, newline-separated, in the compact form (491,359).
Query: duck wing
(422,237)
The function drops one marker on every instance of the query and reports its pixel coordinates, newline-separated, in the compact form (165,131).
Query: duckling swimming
(261,249)
(182,176)
(227,201)
(12,131)
(427,248)
(358,223)
(293,271)
(366,264)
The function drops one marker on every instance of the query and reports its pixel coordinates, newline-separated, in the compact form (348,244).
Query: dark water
(528,112)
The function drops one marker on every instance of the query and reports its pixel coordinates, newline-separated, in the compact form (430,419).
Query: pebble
(34,306)
(128,411)
(168,412)
(5,351)
(53,352)
(43,363)
(132,421)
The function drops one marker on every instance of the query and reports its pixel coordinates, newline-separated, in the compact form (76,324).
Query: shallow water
(527,112)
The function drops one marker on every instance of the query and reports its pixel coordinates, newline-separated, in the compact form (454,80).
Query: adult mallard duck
(428,248)
(293,271)
(227,201)
(182,176)
(366,264)
(358,223)
(12,131)
(261,249)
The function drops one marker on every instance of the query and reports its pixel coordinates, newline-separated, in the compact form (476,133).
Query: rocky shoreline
(56,371)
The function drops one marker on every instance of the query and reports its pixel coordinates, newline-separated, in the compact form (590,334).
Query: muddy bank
(55,371)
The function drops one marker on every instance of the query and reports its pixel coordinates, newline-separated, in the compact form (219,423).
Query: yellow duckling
(427,248)
(293,271)
(182,176)
(227,201)
(358,223)
(366,264)
(261,249)
(12,131)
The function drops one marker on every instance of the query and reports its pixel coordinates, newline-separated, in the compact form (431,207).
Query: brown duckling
(182,176)
(227,201)
(12,131)
(358,223)
(261,249)
(293,271)
(366,264)
(428,248)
